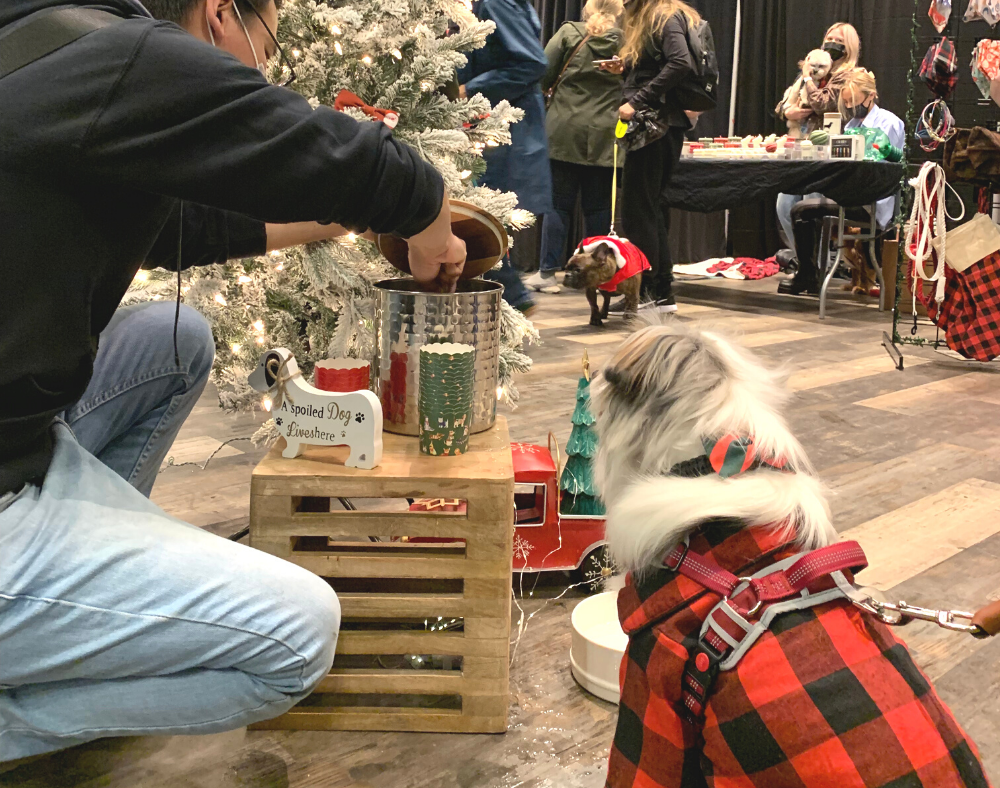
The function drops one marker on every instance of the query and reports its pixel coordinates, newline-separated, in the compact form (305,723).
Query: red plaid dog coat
(827,697)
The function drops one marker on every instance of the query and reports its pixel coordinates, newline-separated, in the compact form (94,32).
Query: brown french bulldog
(587,271)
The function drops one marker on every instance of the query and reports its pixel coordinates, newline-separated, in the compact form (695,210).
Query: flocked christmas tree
(579,495)
(317,300)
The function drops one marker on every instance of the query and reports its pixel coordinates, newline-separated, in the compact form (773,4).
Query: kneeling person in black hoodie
(131,141)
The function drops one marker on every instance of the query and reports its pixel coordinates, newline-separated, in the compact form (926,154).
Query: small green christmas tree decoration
(577,480)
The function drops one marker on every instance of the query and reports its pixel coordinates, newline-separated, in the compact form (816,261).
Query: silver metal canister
(406,318)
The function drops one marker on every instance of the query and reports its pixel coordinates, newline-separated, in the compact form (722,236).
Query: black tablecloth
(713,185)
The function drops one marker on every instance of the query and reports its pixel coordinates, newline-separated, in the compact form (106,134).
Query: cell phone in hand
(599,63)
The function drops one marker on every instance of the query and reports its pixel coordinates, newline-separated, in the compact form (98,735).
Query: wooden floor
(912,460)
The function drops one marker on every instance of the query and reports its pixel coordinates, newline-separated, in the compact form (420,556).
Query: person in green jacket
(580,126)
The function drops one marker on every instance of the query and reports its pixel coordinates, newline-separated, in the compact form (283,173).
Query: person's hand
(692,116)
(615,66)
(461,92)
(625,112)
(798,113)
(989,618)
(436,255)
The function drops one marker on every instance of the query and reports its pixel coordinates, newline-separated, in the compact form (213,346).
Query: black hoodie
(101,140)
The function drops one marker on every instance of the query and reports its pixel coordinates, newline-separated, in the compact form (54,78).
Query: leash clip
(900,614)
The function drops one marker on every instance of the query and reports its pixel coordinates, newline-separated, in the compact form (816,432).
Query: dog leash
(620,130)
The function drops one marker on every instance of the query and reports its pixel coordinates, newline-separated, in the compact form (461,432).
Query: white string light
(338,48)
(367,60)
(464,174)
(244,279)
(236,347)
(296,53)
(397,54)
(335,30)
(266,402)
(220,299)
(141,276)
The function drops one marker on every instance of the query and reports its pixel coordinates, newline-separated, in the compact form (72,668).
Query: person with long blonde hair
(843,45)
(655,59)
(580,125)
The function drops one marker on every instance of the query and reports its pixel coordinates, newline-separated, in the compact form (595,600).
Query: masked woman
(844,47)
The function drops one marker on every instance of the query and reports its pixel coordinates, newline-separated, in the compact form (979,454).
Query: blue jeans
(119,620)
(514,291)
(784,208)
(593,185)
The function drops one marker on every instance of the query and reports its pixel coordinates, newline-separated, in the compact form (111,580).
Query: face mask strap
(253,50)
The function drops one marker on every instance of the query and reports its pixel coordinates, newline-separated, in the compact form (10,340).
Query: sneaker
(543,284)
(666,305)
(662,305)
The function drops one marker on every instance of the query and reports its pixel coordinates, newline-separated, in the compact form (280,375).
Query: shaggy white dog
(667,389)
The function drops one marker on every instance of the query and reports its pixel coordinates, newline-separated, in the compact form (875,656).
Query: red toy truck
(544,539)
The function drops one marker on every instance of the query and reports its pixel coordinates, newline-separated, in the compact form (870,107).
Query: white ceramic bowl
(598,645)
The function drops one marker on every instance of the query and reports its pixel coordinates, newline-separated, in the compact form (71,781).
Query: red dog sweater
(628,256)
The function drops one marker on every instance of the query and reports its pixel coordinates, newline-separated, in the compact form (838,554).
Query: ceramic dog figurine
(613,266)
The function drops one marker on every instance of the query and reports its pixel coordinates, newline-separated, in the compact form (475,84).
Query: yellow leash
(620,130)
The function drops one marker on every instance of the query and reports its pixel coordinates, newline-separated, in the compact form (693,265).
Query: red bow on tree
(347,99)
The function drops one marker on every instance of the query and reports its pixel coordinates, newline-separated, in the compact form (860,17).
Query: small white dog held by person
(816,67)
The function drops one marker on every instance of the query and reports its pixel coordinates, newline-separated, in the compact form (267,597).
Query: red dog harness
(750,604)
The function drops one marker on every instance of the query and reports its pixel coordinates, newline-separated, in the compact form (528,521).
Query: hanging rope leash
(927,223)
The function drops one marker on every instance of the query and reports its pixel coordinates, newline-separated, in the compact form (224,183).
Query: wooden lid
(485,240)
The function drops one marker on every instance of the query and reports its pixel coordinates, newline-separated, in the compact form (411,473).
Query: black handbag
(645,127)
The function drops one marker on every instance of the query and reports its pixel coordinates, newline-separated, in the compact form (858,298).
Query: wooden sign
(307,416)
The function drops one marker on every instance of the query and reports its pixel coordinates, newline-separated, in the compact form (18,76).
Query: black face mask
(858,112)
(834,50)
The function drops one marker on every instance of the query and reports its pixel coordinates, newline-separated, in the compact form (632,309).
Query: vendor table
(424,590)
(707,185)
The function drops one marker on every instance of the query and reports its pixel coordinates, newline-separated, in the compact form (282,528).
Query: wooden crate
(391,592)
